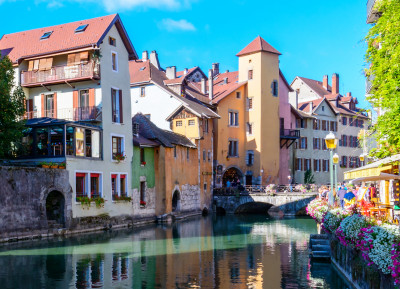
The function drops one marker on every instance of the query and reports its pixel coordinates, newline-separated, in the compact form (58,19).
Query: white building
(76,80)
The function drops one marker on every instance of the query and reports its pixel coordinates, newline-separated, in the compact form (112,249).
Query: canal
(200,252)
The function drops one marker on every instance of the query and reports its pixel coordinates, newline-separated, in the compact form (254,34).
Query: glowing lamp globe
(331,141)
(335,158)
(362,158)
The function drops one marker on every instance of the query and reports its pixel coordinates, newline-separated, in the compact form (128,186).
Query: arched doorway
(232,174)
(176,201)
(55,207)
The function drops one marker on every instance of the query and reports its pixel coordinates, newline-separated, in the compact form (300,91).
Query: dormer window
(46,35)
(81,28)
(112,41)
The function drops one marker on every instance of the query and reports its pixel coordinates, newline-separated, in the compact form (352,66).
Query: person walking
(341,192)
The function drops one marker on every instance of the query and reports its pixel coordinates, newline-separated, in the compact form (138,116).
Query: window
(81,28)
(191,122)
(119,187)
(361,123)
(333,126)
(178,123)
(344,120)
(343,162)
(204,155)
(317,143)
(303,143)
(114,61)
(175,152)
(46,35)
(95,185)
(142,156)
(325,165)
(112,41)
(325,125)
(143,91)
(250,74)
(307,164)
(233,118)
(250,158)
(301,123)
(323,108)
(187,153)
(205,125)
(317,124)
(249,103)
(356,122)
(80,185)
(323,144)
(249,128)
(237,94)
(142,194)
(298,164)
(117,147)
(351,121)
(84,98)
(205,186)
(275,88)
(49,109)
(233,148)
(79,142)
(116,103)
(317,165)
(209,156)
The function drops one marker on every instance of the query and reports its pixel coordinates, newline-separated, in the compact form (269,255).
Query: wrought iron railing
(60,73)
(292,133)
(74,114)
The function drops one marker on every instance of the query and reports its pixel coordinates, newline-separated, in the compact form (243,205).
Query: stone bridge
(286,203)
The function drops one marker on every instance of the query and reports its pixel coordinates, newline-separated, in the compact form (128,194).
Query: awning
(380,177)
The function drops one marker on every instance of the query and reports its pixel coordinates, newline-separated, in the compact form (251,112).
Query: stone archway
(232,174)
(176,201)
(55,208)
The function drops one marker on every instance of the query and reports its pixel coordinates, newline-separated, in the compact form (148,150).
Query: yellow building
(247,135)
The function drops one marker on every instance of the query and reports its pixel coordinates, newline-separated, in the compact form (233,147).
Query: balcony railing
(89,113)
(60,74)
(290,133)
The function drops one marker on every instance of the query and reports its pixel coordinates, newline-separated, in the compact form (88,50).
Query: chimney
(145,55)
(215,68)
(203,85)
(225,80)
(311,107)
(185,71)
(349,94)
(154,59)
(171,72)
(335,83)
(325,82)
(226,71)
(210,84)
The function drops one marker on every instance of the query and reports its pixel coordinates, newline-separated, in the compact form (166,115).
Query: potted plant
(54,165)
(119,157)
(62,166)
(143,164)
(85,202)
(142,204)
(45,165)
(99,201)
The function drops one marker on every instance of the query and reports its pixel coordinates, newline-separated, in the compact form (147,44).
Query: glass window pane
(70,140)
(42,141)
(79,137)
(95,144)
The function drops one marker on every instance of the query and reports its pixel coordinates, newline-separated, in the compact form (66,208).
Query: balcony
(89,113)
(289,136)
(61,74)
(372,14)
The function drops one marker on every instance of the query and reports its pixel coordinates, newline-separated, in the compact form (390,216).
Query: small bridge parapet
(289,203)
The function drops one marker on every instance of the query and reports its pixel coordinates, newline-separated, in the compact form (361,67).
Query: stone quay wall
(23,193)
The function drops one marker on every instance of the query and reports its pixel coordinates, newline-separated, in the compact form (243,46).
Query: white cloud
(176,25)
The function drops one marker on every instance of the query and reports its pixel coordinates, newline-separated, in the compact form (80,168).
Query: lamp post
(335,160)
(331,142)
(362,158)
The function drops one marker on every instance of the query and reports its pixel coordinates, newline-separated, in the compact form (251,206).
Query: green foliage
(309,177)
(383,55)
(12,110)
(86,202)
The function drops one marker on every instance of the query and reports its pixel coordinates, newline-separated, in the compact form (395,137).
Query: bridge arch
(253,208)
(232,173)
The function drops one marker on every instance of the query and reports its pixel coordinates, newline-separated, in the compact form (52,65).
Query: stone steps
(319,247)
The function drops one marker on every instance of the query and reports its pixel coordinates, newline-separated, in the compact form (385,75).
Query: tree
(383,56)
(308,177)
(11,110)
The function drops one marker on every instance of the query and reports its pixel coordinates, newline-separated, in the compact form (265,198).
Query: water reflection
(223,252)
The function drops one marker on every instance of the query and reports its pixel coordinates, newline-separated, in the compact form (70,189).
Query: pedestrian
(228,184)
(342,191)
(372,191)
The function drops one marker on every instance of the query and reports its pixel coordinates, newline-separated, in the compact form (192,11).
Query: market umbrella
(349,196)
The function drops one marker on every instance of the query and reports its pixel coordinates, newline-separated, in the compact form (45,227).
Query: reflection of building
(76,79)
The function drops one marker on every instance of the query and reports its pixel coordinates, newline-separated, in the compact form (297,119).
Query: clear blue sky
(314,37)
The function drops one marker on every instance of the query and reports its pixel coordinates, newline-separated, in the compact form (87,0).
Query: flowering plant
(142,203)
(271,188)
(349,229)
(333,218)
(143,163)
(317,209)
(119,157)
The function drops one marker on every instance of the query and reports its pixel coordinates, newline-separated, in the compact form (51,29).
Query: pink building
(288,132)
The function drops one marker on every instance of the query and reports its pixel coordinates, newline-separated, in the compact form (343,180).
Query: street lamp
(335,160)
(331,142)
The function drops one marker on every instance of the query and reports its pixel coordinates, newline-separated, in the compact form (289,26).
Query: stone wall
(352,265)
(23,193)
(190,198)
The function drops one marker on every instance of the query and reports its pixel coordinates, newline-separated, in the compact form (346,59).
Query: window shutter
(75,104)
(30,105)
(247,158)
(30,66)
(48,63)
(71,59)
(84,56)
(55,105)
(315,165)
(121,108)
(306,142)
(91,97)
(77,59)
(42,113)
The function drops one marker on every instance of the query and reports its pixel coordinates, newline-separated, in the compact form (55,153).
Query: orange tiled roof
(190,70)
(222,89)
(257,45)
(28,44)
(305,106)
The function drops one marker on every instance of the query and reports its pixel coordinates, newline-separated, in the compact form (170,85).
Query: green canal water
(200,252)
